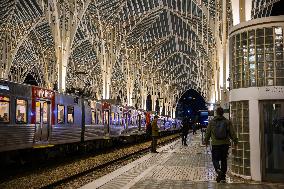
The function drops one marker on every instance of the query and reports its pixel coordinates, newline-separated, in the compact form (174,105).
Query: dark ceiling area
(278,8)
(30,80)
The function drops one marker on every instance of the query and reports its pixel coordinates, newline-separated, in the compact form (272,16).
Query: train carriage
(32,117)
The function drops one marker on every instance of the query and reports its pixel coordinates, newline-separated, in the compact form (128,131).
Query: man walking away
(220,130)
(184,133)
(193,129)
(155,134)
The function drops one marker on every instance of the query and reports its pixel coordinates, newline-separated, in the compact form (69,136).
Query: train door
(106,121)
(272,134)
(43,120)
(139,122)
(125,117)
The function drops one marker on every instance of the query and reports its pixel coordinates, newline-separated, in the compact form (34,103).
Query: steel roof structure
(111,48)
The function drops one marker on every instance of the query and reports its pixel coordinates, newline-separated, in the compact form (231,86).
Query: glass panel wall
(241,152)
(257,58)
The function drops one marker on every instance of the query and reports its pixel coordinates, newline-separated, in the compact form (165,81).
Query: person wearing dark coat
(155,134)
(220,146)
(184,133)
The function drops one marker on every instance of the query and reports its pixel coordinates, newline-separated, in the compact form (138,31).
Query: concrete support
(241,11)
(108,57)
(254,130)
(224,91)
(130,75)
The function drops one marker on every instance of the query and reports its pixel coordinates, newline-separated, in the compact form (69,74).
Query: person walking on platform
(184,133)
(155,134)
(193,129)
(220,130)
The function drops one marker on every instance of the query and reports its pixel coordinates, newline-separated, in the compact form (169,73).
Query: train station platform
(174,167)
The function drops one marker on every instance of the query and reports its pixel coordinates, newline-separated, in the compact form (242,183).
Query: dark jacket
(185,128)
(210,132)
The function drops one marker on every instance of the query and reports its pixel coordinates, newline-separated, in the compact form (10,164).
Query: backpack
(221,130)
(149,129)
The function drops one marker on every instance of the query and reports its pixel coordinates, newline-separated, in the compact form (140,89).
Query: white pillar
(255,145)
(236,12)
(248,5)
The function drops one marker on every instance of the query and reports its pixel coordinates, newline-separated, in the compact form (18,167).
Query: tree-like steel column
(12,38)
(64,18)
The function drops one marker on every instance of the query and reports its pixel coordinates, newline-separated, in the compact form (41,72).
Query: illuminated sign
(106,105)
(3,98)
(42,93)
(4,87)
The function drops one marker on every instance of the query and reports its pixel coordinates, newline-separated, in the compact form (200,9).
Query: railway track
(57,177)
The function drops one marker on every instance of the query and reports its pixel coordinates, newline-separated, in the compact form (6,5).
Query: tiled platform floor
(174,167)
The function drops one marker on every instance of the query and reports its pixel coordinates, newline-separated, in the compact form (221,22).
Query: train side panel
(15,132)
(94,128)
(68,120)
(115,128)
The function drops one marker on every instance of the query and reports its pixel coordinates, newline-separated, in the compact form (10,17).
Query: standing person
(184,133)
(220,130)
(155,134)
(193,129)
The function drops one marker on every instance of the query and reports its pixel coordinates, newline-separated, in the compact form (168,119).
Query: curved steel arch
(171,55)
(184,21)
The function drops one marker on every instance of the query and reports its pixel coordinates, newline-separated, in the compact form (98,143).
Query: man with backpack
(184,132)
(220,130)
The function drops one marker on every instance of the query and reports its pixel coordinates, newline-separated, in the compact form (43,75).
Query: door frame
(106,114)
(41,94)
(41,124)
(272,178)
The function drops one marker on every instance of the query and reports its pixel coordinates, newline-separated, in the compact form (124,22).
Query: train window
(21,111)
(4,109)
(117,118)
(70,114)
(44,112)
(113,120)
(99,117)
(106,117)
(120,119)
(93,117)
(125,119)
(60,114)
